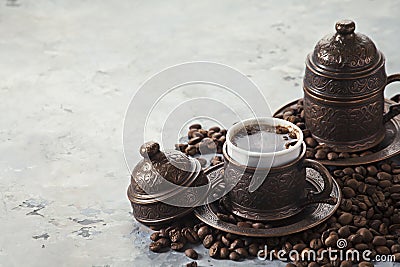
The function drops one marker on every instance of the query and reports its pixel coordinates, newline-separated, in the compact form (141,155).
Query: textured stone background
(67,72)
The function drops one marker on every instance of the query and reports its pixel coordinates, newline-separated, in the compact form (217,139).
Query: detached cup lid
(345,51)
(158,172)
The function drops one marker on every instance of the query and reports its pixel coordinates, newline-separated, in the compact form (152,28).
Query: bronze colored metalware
(387,148)
(311,216)
(344,82)
(153,180)
(282,193)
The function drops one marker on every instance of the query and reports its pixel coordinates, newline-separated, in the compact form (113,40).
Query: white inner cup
(275,158)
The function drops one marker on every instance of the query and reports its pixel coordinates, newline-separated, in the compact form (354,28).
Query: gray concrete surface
(67,72)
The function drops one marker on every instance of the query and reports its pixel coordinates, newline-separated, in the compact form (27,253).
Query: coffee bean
(361,170)
(383,229)
(197,135)
(216,136)
(384,176)
(310,154)
(181,147)
(386,167)
(366,153)
(178,246)
(332,156)
(346,263)
(214,250)
(258,225)
(311,142)
(191,264)
(395,248)
(379,241)
(385,183)
(203,231)
(155,247)
(396,257)
(194,140)
(231,237)
(164,242)
(244,224)
(352,183)
(203,162)
(215,129)
(227,218)
(306,133)
(316,243)
(290,265)
(190,235)
(299,247)
(191,150)
(234,256)
(365,264)
(224,253)
(313,264)
(338,173)
(355,238)
(346,205)
(371,180)
(253,249)
(196,126)
(359,221)
(237,243)
(395,189)
(348,171)
(366,235)
(358,177)
(320,154)
(382,250)
(331,241)
(155,236)
(345,218)
(361,246)
(344,155)
(175,235)
(242,252)
(208,241)
(344,231)
(191,253)
(207,146)
(372,170)
(225,241)
(348,192)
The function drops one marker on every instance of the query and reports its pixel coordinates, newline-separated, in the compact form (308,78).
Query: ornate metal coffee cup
(343,87)
(282,192)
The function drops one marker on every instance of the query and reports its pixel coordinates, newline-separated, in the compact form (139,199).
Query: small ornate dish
(311,216)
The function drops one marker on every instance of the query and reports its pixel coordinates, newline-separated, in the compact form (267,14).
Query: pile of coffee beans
(315,150)
(202,142)
(368,219)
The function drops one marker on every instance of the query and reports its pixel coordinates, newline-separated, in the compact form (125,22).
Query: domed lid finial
(345,26)
(149,150)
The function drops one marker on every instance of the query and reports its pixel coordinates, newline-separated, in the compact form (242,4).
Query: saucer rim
(269,232)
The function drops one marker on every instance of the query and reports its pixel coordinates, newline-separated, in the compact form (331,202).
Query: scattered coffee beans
(202,142)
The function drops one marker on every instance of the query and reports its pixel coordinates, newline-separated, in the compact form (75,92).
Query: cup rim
(230,160)
(259,120)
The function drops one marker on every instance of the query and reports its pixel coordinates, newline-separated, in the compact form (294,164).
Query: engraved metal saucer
(311,216)
(389,147)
